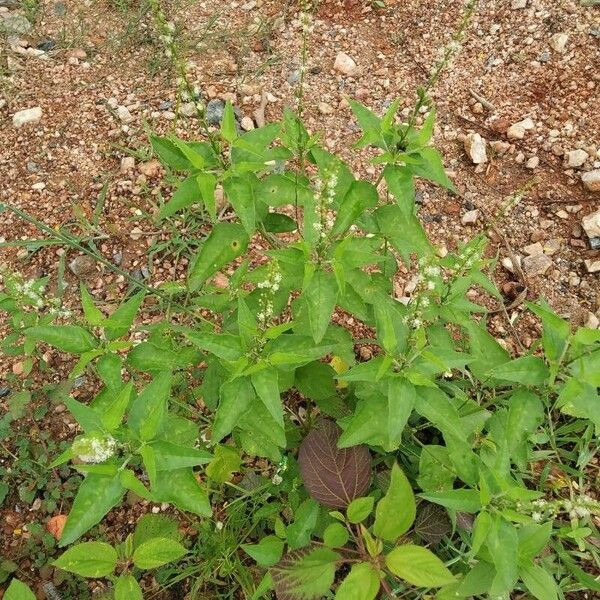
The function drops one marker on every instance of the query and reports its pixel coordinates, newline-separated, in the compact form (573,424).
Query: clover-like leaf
(432,523)
(333,476)
(305,574)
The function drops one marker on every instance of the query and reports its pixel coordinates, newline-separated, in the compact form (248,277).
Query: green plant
(253,339)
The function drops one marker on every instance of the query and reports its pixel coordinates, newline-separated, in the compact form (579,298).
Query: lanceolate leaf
(68,338)
(362,583)
(418,566)
(333,476)
(90,559)
(395,512)
(305,574)
(320,296)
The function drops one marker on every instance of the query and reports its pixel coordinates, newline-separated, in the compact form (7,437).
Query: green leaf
(127,588)
(90,559)
(396,511)
(236,397)
(556,334)
(401,402)
(299,532)
(170,456)
(17,590)
(359,509)
(430,166)
(121,320)
(149,409)
(223,345)
(361,196)
(305,574)
(335,535)
(401,184)
(279,223)
(97,494)
(362,583)
(67,338)
(266,384)
(187,193)
(114,412)
(92,314)
(157,552)
(463,500)
(418,566)
(240,193)
(225,463)
(528,370)
(267,552)
(182,489)
(320,296)
(539,582)
(225,243)
(533,539)
(169,154)
(153,526)
(315,381)
(228,128)
(502,543)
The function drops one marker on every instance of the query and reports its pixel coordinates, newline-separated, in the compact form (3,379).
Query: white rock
(39,186)
(592,321)
(325,109)
(470,217)
(534,249)
(475,147)
(499,147)
(517,130)
(591,180)
(516,4)
(344,64)
(29,115)
(537,264)
(127,164)
(124,115)
(592,266)
(533,162)
(576,158)
(507,263)
(591,224)
(558,42)
(188,109)
(247,123)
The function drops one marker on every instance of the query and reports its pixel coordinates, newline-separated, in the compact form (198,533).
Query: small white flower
(417,323)
(170,26)
(94,447)
(431,285)
(536,516)
(218,525)
(276,479)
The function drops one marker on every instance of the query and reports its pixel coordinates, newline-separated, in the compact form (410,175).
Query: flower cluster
(324,198)
(270,285)
(94,447)
(579,507)
(423,286)
(277,479)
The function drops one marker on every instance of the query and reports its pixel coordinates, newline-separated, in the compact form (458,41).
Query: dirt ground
(82,63)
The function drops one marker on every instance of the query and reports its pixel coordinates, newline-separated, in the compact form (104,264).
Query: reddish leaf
(432,523)
(333,476)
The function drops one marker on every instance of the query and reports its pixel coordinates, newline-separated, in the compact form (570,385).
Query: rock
(517,130)
(29,115)
(470,217)
(591,180)
(46,45)
(150,169)
(344,64)
(127,164)
(15,25)
(165,105)
(475,147)
(551,246)
(533,162)
(294,77)
(516,4)
(595,243)
(78,53)
(592,266)
(214,111)
(575,158)
(534,249)
(4,391)
(592,321)
(82,266)
(558,42)
(325,109)
(136,233)
(537,264)
(124,115)
(591,224)
(500,148)
(247,124)
(39,186)
(187,109)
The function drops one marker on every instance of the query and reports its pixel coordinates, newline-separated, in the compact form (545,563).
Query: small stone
(591,224)
(18,368)
(500,148)
(78,53)
(475,147)
(592,266)
(39,186)
(562,214)
(150,169)
(15,25)
(247,124)
(29,115)
(124,115)
(214,111)
(46,45)
(127,164)
(592,321)
(294,77)
(165,105)
(325,109)
(365,353)
(575,158)
(470,217)
(591,180)
(533,162)
(534,249)
(516,4)
(221,281)
(551,246)
(517,130)
(537,264)
(82,266)
(595,243)
(187,109)
(344,64)
(136,233)
(558,42)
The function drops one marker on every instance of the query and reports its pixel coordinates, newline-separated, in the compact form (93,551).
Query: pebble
(591,180)
(534,249)
(247,123)
(214,111)
(475,147)
(592,266)
(39,186)
(536,264)
(500,147)
(558,42)
(533,162)
(127,164)
(82,266)
(517,130)
(188,109)
(591,224)
(575,158)
(15,25)
(516,4)
(124,115)
(150,169)
(325,109)
(344,64)
(551,246)
(136,233)
(592,321)
(470,217)
(26,116)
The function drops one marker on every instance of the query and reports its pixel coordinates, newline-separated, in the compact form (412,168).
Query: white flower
(276,479)
(417,323)
(432,271)
(424,302)
(536,516)
(431,285)
(94,447)
(218,525)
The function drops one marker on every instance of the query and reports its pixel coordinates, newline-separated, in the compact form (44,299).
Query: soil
(67,169)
